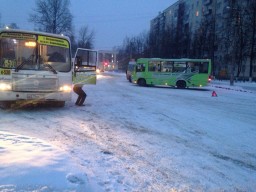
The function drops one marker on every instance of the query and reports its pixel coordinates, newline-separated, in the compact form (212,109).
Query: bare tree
(153,43)
(180,36)
(234,38)
(13,26)
(166,43)
(133,48)
(85,39)
(200,43)
(52,16)
(250,11)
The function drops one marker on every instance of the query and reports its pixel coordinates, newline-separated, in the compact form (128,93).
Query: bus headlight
(5,86)
(66,88)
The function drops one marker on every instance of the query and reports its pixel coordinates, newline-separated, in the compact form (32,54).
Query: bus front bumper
(45,96)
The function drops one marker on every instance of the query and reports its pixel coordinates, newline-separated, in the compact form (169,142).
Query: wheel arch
(142,82)
(181,84)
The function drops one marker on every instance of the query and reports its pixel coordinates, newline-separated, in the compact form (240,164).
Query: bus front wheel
(6,104)
(181,84)
(142,82)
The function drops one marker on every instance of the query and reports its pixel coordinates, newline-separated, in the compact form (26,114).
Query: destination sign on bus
(53,41)
(18,36)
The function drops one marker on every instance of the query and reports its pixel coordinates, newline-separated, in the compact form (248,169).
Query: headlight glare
(5,86)
(65,88)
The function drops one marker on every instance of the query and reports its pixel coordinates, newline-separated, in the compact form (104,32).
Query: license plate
(35,96)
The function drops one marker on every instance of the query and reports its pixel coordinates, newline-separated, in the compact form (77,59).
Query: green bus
(181,73)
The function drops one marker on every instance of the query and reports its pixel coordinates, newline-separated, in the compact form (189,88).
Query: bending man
(78,89)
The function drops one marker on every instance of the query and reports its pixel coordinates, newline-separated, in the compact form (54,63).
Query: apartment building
(211,29)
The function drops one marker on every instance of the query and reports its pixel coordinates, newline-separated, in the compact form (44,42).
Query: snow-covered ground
(131,138)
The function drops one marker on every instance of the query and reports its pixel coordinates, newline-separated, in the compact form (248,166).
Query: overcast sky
(111,20)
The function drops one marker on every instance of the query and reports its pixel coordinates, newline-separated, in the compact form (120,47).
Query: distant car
(99,70)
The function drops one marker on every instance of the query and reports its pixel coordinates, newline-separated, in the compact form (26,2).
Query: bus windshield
(34,52)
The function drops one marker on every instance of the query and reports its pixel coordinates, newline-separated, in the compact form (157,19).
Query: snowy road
(131,138)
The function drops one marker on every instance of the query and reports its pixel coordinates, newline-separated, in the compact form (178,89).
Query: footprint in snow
(75,179)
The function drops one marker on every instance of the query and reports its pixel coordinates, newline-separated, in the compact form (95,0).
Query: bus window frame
(86,65)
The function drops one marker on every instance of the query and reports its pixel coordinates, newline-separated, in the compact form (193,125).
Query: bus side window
(194,67)
(151,67)
(204,68)
(159,67)
(140,67)
(155,67)
(167,67)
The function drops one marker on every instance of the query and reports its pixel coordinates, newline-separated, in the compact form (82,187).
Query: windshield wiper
(30,59)
(20,66)
(50,67)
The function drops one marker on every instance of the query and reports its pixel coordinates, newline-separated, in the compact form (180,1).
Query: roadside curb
(233,89)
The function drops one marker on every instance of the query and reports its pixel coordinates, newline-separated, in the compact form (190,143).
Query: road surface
(131,138)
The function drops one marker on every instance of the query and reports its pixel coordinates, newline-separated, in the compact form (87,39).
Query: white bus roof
(34,32)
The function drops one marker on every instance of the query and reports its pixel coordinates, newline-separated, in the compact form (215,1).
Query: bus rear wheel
(181,84)
(142,82)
